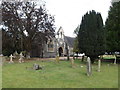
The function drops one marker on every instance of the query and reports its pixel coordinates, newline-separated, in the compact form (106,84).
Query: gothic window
(50,46)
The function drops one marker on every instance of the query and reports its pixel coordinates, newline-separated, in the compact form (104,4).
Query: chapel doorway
(60,51)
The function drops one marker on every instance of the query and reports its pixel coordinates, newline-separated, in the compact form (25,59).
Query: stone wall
(49,55)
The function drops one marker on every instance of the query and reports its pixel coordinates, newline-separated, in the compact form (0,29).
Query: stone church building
(60,45)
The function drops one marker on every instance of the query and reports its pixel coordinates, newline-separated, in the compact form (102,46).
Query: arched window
(50,46)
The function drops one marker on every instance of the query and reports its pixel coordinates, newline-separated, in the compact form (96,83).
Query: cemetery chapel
(60,45)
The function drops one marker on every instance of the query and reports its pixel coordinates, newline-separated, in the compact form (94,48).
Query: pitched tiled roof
(69,41)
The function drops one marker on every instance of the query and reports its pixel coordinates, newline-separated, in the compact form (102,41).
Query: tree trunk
(68,57)
(83,58)
(92,59)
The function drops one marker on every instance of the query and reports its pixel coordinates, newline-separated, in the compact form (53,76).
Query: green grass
(0,76)
(0,73)
(108,56)
(60,75)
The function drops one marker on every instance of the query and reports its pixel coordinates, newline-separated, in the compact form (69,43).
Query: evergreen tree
(91,35)
(75,48)
(113,28)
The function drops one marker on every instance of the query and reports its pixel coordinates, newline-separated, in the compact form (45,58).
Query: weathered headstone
(115,60)
(57,59)
(72,63)
(89,67)
(21,58)
(28,56)
(99,65)
(11,59)
(36,67)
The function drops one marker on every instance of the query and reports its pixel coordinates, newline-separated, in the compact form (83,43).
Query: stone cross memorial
(99,65)
(11,58)
(89,67)
(21,58)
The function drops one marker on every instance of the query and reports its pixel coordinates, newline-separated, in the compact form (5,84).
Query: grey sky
(68,13)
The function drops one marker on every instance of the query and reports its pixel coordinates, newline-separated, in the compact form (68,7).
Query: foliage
(113,28)
(75,48)
(76,30)
(25,26)
(91,35)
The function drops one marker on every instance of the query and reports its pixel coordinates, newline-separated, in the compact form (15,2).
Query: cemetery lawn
(59,75)
(0,76)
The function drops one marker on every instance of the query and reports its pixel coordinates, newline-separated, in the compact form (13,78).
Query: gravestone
(57,59)
(72,63)
(21,58)
(89,67)
(28,56)
(11,59)
(115,60)
(99,65)
(36,67)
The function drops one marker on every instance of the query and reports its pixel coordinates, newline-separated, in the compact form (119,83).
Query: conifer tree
(112,28)
(91,35)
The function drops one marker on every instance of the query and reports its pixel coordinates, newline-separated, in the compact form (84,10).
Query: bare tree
(27,21)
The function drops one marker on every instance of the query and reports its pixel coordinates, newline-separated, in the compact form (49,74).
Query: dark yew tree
(113,28)
(91,35)
(26,23)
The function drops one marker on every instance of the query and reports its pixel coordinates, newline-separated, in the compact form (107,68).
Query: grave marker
(72,63)
(11,59)
(89,68)
(57,59)
(36,67)
(115,60)
(99,65)
(21,58)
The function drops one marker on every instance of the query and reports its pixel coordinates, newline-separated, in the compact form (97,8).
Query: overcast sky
(68,13)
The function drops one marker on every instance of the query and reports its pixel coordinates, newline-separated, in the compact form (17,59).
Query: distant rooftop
(115,1)
(69,41)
